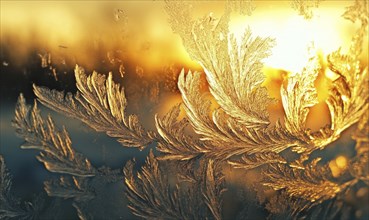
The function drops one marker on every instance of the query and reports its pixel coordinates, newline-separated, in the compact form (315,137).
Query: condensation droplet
(120,14)
(362,192)
(341,162)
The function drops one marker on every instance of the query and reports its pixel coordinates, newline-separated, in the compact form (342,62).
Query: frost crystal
(186,180)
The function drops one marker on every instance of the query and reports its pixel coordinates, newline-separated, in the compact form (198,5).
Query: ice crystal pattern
(13,208)
(237,132)
(304,7)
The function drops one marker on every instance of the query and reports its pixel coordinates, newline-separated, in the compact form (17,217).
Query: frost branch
(99,103)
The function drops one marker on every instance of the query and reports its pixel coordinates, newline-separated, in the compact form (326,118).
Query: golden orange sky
(139,32)
(140,29)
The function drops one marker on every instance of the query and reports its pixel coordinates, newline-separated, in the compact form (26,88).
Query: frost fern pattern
(236,133)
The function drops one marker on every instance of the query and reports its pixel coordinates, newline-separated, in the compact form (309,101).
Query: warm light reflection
(147,38)
(85,32)
(338,165)
(341,162)
(331,75)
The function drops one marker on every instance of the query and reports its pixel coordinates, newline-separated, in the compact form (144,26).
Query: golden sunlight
(138,33)
(234,109)
(147,38)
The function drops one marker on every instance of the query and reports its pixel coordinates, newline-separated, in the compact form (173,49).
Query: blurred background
(42,41)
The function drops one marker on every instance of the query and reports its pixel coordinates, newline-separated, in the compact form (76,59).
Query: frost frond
(153,196)
(99,103)
(55,145)
(233,69)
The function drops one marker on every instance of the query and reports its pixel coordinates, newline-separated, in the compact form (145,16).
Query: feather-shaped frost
(99,103)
